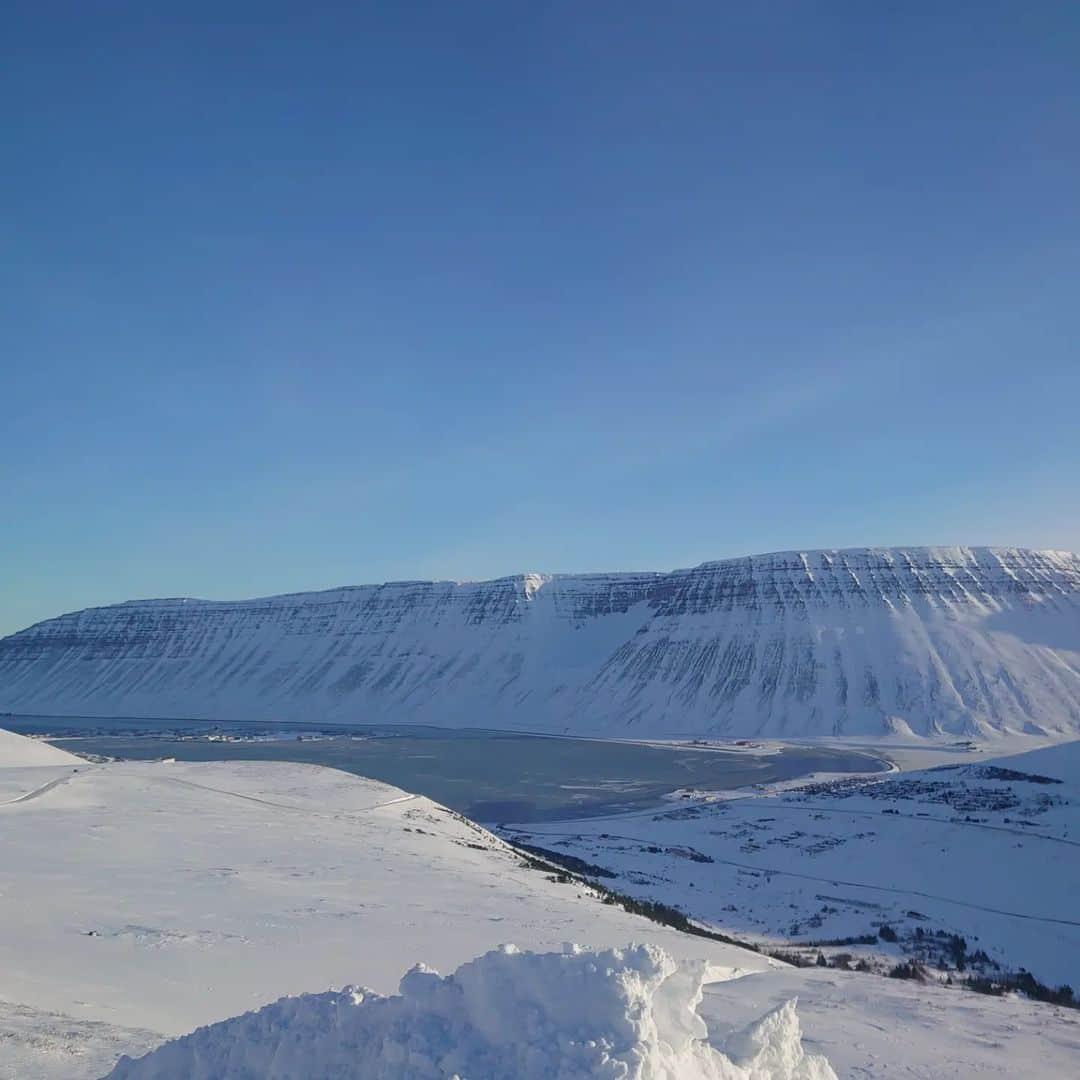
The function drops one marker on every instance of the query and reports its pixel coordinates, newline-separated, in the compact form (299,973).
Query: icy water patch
(490,776)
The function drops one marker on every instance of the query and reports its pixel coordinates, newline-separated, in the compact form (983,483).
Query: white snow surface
(624,1014)
(19,751)
(865,641)
(139,901)
(982,847)
(872,1028)
(156,897)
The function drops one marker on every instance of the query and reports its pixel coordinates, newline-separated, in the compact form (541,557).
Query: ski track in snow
(44,789)
(324,813)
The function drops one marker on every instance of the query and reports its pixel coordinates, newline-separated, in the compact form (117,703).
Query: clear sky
(301,295)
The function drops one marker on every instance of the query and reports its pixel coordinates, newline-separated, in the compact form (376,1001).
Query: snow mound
(17,751)
(625,1014)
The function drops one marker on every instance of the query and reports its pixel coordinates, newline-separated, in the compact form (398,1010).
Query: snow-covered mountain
(860,641)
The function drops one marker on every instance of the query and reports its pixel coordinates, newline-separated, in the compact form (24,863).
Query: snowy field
(141,900)
(987,850)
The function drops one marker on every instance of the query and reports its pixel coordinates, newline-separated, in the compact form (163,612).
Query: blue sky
(305,295)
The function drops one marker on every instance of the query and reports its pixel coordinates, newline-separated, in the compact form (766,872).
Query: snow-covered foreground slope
(18,751)
(158,897)
(139,901)
(622,1014)
(936,640)
(870,1028)
(989,852)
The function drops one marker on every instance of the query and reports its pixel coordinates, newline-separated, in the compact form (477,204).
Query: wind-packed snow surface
(624,1014)
(935,641)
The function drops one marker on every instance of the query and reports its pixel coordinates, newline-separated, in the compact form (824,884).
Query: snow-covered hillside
(139,901)
(155,897)
(987,853)
(17,750)
(957,641)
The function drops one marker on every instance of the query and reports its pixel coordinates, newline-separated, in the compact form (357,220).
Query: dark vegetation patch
(909,969)
(993,772)
(1023,982)
(567,862)
(840,942)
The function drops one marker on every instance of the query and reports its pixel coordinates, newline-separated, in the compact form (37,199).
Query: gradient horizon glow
(297,297)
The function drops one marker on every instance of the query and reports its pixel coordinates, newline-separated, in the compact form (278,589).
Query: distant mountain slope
(862,641)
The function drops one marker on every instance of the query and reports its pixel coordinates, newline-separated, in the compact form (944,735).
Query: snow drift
(627,1013)
(938,641)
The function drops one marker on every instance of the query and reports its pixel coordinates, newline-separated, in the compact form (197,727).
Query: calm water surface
(490,776)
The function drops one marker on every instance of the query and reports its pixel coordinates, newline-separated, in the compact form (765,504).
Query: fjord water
(490,776)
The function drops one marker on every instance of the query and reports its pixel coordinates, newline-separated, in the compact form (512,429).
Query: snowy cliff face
(866,641)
